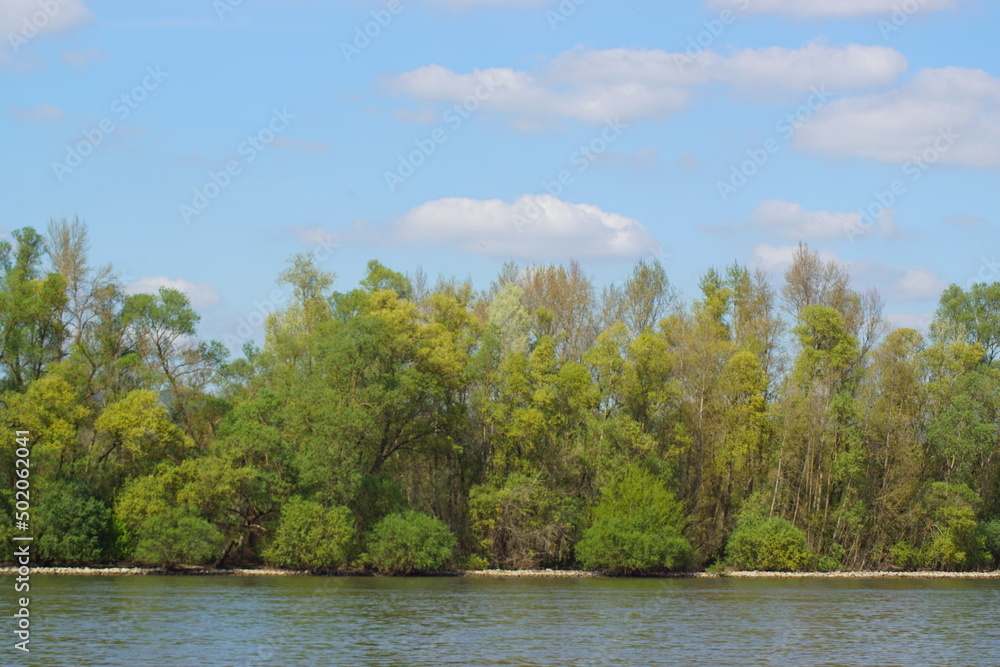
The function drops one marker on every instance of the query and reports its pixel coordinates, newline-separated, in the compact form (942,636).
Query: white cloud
(919,321)
(949,115)
(815,9)
(202,295)
(597,86)
(965,220)
(83,57)
(816,64)
(316,237)
(37,114)
(915,283)
(23,16)
(792,221)
(533,227)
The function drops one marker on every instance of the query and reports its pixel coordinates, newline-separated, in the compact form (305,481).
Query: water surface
(306,621)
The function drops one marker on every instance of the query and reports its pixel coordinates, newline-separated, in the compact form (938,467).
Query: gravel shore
(570,574)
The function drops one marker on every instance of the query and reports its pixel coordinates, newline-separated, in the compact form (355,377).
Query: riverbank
(524,574)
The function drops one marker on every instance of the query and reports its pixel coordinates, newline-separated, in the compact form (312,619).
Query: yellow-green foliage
(408,542)
(311,537)
(770,545)
(637,526)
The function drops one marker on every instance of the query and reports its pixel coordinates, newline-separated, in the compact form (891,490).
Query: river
(306,621)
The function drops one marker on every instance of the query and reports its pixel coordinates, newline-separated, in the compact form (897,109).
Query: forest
(543,422)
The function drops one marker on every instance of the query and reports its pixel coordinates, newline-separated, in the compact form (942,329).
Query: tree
(977,312)
(161,329)
(194,489)
(506,311)
(31,305)
(894,401)
(645,298)
(564,306)
(133,435)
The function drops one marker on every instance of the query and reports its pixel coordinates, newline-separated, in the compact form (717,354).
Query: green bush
(770,545)
(523,523)
(177,537)
(958,543)
(408,542)
(474,562)
(990,532)
(904,556)
(74,528)
(311,537)
(636,527)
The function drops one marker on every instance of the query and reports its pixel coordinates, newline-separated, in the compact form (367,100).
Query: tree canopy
(543,422)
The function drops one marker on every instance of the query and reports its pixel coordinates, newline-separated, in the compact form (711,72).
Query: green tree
(31,308)
(977,312)
(135,434)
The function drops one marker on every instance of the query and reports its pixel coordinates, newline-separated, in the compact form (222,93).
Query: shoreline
(492,574)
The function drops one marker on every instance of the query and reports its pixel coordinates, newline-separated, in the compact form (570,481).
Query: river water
(306,621)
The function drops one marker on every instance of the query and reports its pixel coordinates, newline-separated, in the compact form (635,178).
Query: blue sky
(206,141)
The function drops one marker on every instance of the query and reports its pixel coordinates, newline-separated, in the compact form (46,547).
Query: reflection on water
(288,622)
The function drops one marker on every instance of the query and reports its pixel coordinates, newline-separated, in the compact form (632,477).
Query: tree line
(542,422)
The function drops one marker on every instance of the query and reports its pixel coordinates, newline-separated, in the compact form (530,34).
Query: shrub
(904,556)
(311,537)
(958,543)
(74,528)
(990,531)
(409,541)
(523,524)
(177,537)
(636,527)
(475,562)
(772,545)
